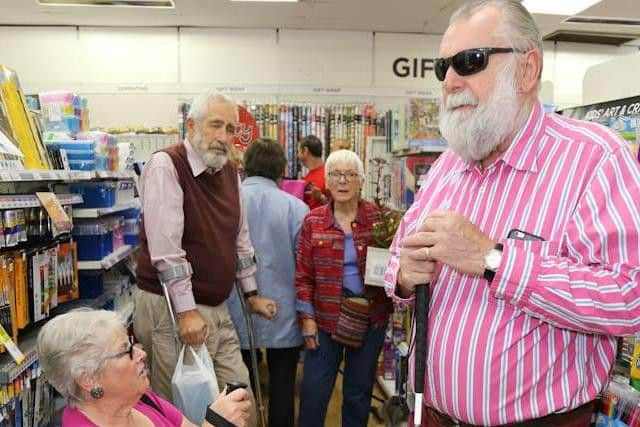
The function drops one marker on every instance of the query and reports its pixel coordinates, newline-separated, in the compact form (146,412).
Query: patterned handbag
(353,321)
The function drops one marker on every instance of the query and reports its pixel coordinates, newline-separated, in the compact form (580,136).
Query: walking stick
(254,358)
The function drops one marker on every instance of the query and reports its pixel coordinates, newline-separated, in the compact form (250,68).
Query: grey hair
(75,344)
(347,157)
(518,26)
(200,105)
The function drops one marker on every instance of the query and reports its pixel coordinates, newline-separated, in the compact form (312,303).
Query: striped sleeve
(304,270)
(591,283)
(393,266)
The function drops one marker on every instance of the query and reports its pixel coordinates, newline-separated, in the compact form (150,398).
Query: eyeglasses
(129,350)
(348,176)
(468,62)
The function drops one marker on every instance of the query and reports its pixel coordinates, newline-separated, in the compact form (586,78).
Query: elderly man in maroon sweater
(195,239)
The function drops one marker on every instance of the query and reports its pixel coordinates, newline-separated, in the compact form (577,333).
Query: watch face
(492,259)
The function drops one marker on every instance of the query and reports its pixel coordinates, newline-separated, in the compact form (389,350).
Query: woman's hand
(265,307)
(310,334)
(234,407)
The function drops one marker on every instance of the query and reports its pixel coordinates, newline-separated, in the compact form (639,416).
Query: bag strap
(150,402)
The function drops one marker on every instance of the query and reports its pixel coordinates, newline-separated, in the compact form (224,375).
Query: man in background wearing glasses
(527,231)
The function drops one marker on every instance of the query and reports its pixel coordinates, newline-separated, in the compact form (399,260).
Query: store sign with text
(406,60)
(404,67)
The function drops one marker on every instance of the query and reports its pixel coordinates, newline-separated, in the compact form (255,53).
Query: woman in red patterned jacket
(341,317)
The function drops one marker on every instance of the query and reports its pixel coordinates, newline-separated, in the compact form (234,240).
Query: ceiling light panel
(558,7)
(113,3)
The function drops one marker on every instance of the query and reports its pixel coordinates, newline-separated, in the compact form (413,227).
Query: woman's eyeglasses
(468,62)
(348,176)
(129,350)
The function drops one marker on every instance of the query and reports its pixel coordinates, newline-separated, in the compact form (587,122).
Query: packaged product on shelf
(67,269)
(106,149)
(94,239)
(619,405)
(20,123)
(95,194)
(91,283)
(132,226)
(115,223)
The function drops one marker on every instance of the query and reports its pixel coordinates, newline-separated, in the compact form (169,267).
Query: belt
(579,417)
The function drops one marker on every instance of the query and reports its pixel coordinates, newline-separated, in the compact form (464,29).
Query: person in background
(310,155)
(88,357)
(195,239)
(527,230)
(274,219)
(342,319)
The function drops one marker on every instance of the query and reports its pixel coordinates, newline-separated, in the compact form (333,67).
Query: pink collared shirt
(540,338)
(162,200)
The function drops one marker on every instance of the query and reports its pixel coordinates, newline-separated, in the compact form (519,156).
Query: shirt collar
(330,220)
(521,153)
(259,180)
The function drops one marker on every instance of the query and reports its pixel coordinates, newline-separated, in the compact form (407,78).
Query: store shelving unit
(98,212)
(108,261)
(59,175)
(403,152)
(17,201)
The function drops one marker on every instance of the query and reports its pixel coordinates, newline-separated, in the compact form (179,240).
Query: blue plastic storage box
(95,194)
(94,239)
(91,283)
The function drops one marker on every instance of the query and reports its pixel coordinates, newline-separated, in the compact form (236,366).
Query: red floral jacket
(319,266)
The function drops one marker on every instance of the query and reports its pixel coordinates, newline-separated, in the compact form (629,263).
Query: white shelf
(98,212)
(17,201)
(59,175)
(108,261)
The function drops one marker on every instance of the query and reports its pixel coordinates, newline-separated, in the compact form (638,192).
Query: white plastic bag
(194,387)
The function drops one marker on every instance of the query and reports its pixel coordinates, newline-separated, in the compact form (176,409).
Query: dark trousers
(319,377)
(282,364)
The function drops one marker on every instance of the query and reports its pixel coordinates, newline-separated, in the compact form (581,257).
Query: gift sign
(246,130)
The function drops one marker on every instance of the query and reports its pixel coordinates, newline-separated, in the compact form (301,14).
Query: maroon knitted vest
(211,210)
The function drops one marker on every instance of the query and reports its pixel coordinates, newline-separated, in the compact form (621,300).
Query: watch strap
(216,419)
(490,274)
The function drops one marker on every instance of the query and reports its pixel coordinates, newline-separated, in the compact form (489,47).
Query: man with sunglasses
(526,231)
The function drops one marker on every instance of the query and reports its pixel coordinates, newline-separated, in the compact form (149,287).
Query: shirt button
(359,248)
(320,243)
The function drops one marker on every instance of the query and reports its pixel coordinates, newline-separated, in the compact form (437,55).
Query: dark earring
(97,392)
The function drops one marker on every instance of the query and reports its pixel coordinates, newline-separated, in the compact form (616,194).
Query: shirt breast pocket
(537,247)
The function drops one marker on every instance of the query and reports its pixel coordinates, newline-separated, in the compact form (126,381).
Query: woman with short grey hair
(89,358)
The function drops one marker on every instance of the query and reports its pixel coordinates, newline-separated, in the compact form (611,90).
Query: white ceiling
(411,16)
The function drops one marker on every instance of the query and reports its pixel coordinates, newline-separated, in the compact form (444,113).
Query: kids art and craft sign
(623,115)
(246,129)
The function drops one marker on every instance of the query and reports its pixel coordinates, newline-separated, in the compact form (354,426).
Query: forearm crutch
(254,358)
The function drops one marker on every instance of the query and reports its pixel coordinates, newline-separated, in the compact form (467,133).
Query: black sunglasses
(467,62)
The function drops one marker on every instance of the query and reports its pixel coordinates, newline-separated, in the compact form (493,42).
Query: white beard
(213,160)
(475,133)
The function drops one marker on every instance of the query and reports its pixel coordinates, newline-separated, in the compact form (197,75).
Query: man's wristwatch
(492,261)
(216,419)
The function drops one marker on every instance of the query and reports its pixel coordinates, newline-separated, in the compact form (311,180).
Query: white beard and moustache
(213,160)
(475,133)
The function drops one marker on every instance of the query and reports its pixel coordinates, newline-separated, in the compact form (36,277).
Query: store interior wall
(613,79)
(137,76)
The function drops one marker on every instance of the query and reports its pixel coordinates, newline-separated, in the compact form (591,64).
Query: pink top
(172,417)
(540,338)
(162,204)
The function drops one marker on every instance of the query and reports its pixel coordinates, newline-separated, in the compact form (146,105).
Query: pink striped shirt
(540,338)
